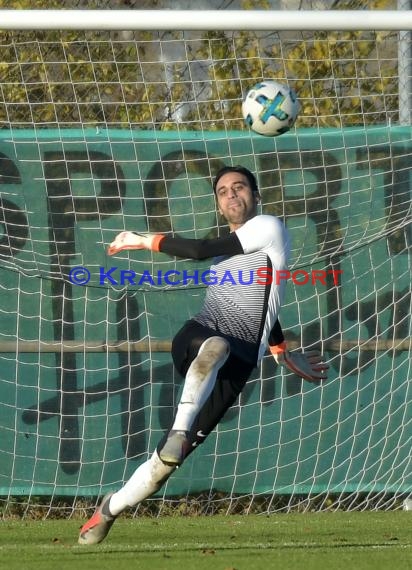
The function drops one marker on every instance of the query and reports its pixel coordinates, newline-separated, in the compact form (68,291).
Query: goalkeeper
(217,350)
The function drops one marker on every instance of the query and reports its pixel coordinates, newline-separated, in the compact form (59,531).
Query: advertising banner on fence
(79,419)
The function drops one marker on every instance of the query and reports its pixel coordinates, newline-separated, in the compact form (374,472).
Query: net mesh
(102,132)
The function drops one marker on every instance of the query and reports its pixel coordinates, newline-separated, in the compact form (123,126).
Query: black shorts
(230,381)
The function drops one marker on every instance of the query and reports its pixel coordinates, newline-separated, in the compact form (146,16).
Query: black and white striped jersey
(244,296)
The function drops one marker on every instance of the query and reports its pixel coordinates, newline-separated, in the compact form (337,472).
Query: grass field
(335,541)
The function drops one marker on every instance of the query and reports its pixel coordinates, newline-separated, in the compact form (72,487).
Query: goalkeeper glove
(307,365)
(132,240)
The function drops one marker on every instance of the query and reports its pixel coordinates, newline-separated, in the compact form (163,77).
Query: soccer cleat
(174,450)
(97,527)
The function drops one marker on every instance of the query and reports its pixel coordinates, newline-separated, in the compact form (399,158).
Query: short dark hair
(241,170)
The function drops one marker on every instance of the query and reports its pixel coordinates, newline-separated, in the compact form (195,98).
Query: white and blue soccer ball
(270,108)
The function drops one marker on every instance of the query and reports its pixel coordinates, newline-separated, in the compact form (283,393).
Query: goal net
(109,130)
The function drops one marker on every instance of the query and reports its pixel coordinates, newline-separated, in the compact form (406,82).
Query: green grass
(310,541)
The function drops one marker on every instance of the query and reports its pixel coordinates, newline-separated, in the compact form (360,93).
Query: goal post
(119,119)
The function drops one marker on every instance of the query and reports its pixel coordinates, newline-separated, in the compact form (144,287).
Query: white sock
(145,481)
(200,380)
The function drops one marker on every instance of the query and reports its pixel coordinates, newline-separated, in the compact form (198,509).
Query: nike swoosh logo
(201,434)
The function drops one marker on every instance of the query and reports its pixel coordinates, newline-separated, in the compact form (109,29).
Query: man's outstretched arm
(177,246)
(256,234)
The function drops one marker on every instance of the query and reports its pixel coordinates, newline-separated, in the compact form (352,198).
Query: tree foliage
(191,80)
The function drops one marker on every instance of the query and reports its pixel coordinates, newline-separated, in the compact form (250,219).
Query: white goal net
(102,131)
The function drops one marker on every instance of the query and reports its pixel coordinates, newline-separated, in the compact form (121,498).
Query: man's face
(236,201)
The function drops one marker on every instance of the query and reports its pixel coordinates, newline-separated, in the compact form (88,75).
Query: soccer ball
(270,108)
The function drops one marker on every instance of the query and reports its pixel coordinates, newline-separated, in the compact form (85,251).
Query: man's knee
(213,352)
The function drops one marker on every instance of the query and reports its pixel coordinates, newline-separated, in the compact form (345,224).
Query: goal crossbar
(259,20)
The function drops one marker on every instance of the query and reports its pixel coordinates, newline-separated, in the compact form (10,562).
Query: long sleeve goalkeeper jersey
(247,287)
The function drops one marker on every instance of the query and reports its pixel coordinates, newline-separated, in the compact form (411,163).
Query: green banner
(80,422)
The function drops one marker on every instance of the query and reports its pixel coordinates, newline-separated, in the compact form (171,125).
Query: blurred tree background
(192,80)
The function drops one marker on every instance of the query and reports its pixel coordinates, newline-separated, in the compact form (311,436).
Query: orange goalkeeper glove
(307,365)
(133,240)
